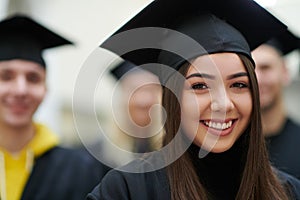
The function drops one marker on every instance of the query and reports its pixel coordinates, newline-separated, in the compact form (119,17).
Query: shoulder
(118,184)
(80,160)
(292,126)
(62,154)
(114,185)
(70,154)
(291,182)
(72,174)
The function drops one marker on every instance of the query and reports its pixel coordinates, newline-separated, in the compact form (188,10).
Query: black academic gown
(63,174)
(219,175)
(118,185)
(284,148)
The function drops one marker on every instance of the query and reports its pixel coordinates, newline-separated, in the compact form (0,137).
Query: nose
(20,86)
(221,103)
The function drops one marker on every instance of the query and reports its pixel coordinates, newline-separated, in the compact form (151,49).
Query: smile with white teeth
(218,125)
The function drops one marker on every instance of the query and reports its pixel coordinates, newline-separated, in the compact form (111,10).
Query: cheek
(244,105)
(192,106)
(272,77)
(5,88)
(39,93)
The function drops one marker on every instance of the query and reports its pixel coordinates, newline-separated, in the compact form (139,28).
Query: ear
(45,92)
(286,78)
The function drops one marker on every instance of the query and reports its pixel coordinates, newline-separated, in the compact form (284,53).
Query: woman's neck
(14,139)
(220,173)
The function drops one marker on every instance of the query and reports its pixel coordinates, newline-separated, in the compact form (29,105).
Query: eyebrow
(200,75)
(240,74)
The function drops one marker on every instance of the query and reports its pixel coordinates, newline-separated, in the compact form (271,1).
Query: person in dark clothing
(284,148)
(213,146)
(63,173)
(281,132)
(32,164)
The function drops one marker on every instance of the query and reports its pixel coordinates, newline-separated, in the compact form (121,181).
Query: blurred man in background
(281,132)
(32,164)
(141,92)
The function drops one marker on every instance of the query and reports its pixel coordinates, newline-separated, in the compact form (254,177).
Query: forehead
(265,54)
(21,65)
(218,63)
(139,78)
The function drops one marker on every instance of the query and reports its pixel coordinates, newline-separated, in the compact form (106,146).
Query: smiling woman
(221,86)
(211,99)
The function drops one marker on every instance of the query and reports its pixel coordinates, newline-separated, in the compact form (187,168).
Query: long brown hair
(258,180)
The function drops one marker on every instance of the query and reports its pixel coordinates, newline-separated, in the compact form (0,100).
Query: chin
(219,148)
(19,122)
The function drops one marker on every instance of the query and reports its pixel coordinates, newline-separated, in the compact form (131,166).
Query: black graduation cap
(207,23)
(23,38)
(122,68)
(285,42)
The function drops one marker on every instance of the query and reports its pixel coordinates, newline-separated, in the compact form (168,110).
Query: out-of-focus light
(266,3)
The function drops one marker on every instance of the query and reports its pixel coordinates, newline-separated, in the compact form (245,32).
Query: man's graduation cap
(126,67)
(121,69)
(285,42)
(23,38)
(209,23)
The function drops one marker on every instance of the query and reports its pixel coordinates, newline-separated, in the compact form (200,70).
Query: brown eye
(34,78)
(6,75)
(199,86)
(239,85)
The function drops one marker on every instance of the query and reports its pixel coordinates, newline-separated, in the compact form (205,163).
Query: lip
(218,132)
(18,108)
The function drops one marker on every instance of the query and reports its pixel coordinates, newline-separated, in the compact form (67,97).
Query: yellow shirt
(15,169)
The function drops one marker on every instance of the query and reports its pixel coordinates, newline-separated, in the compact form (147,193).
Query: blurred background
(87,24)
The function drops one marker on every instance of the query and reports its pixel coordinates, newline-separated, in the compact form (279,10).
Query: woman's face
(22,89)
(216,101)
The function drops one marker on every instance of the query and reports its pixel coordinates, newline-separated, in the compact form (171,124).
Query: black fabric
(23,38)
(134,186)
(63,174)
(141,145)
(284,148)
(220,172)
(121,69)
(212,33)
(207,23)
(285,42)
(117,185)
(291,182)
